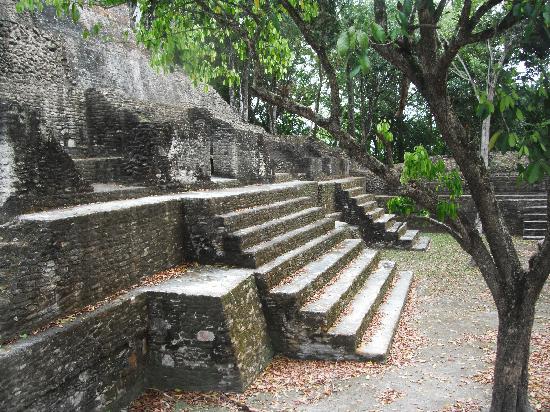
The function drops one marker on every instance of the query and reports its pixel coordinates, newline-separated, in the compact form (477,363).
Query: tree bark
(351,101)
(244,102)
(510,386)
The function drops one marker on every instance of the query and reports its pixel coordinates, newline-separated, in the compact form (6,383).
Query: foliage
(419,166)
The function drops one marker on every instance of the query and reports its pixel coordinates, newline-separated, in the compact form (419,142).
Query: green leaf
(534,172)
(355,71)
(512,139)
(364,62)
(342,44)
(362,39)
(378,33)
(519,115)
(493,139)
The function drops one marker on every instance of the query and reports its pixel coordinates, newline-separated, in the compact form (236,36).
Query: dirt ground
(441,359)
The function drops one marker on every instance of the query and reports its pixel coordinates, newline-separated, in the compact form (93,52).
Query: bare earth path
(441,360)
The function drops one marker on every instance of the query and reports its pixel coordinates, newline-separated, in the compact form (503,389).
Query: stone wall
(100,97)
(66,259)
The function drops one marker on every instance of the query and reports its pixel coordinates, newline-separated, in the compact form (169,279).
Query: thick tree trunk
(510,386)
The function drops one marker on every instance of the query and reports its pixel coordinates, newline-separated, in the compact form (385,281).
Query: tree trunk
(244,102)
(510,386)
(351,101)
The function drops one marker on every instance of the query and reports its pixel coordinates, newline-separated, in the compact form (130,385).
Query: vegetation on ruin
(458,78)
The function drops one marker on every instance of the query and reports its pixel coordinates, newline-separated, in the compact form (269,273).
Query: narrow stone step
(261,253)
(242,218)
(355,191)
(271,273)
(533,237)
(348,182)
(421,244)
(244,238)
(350,327)
(314,275)
(378,346)
(323,310)
(374,213)
(100,169)
(397,229)
(535,232)
(385,221)
(408,238)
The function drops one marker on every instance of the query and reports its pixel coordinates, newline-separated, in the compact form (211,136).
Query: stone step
(349,328)
(533,237)
(408,238)
(535,209)
(535,224)
(247,237)
(535,216)
(535,232)
(243,218)
(374,213)
(367,206)
(377,346)
(355,191)
(271,273)
(397,229)
(362,199)
(262,253)
(232,199)
(348,182)
(307,280)
(385,221)
(323,309)
(422,244)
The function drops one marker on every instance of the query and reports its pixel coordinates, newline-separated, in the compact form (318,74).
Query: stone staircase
(535,217)
(377,227)
(319,286)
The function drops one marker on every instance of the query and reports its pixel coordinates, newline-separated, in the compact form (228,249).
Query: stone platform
(201,331)
(302,283)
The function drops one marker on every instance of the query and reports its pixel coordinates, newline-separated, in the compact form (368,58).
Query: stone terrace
(308,287)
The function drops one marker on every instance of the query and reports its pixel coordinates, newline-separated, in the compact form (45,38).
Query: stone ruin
(114,177)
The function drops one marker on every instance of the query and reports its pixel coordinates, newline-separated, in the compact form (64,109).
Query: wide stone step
(244,238)
(229,200)
(261,253)
(355,191)
(323,309)
(314,275)
(271,273)
(378,345)
(243,218)
(385,221)
(350,327)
